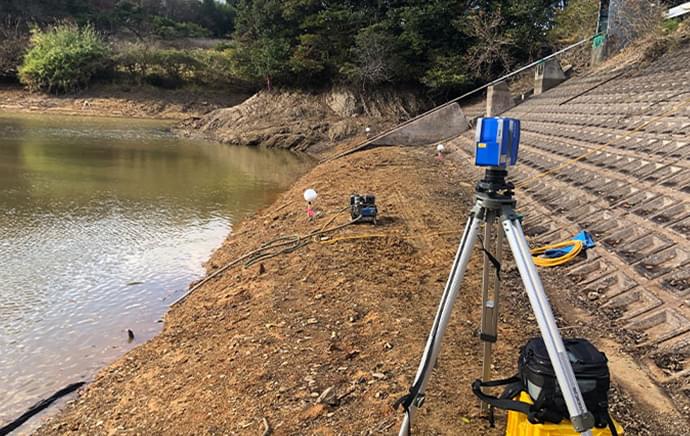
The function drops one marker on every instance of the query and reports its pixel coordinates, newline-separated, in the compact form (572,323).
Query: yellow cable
(555,261)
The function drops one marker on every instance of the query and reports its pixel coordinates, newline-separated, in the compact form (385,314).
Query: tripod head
(494,190)
(494,182)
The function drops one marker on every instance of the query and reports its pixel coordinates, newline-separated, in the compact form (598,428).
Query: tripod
(494,201)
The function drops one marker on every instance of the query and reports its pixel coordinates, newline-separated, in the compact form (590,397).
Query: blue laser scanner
(497,140)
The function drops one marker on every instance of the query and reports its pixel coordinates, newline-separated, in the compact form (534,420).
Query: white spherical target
(440,148)
(310,195)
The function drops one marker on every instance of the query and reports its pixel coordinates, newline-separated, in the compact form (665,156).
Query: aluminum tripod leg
(581,419)
(433,343)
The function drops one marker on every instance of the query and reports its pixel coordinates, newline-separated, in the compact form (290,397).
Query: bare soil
(120,101)
(324,340)
(305,121)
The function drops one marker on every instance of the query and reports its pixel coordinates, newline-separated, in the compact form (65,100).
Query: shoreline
(118,101)
(60,120)
(248,230)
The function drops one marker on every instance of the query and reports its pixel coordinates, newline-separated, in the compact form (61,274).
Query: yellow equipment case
(518,425)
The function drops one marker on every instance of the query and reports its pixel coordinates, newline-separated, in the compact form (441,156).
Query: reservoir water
(103,223)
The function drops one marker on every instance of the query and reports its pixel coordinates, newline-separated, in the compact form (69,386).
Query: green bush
(177,65)
(172,68)
(575,22)
(64,58)
(215,68)
(170,29)
(135,61)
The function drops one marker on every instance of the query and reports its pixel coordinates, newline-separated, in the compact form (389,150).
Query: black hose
(38,407)
(266,251)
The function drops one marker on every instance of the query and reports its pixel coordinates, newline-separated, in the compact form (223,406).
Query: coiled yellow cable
(555,261)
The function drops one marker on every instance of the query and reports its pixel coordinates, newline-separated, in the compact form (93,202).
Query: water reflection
(102,224)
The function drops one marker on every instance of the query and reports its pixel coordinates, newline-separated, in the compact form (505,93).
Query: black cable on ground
(281,245)
(38,407)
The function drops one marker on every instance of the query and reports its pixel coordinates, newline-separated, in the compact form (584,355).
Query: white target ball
(310,195)
(440,148)
(367,130)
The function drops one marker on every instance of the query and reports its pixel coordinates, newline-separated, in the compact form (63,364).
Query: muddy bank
(305,121)
(295,120)
(120,101)
(323,340)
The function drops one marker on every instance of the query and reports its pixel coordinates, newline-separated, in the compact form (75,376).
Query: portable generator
(363,208)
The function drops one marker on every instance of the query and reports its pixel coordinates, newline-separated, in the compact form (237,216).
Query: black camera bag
(537,378)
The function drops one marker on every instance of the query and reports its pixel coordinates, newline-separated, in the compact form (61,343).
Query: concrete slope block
(444,123)
(547,75)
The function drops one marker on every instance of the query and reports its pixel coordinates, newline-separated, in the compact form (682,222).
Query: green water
(103,223)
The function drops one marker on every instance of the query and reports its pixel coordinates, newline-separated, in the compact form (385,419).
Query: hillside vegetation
(442,46)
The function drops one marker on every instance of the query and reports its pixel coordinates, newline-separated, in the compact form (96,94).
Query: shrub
(178,65)
(215,68)
(168,68)
(136,60)
(64,58)
(171,68)
(170,29)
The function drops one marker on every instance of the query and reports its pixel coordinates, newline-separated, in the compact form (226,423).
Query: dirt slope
(343,319)
(303,121)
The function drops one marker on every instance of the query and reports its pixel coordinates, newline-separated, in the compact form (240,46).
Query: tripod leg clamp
(583,422)
(487,337)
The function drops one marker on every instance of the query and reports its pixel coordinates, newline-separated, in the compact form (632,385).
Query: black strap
(612,425)
(501,403)
(536,413)
(492,259)
(405,401)
(540,412)
(487,337)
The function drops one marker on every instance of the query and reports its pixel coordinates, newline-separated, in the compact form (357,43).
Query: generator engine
(364,207)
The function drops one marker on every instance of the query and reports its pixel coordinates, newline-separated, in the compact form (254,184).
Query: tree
(578,20)
(264,59)
(375,56)
(15,41)
(217,17)
(490,52)
(443,45)
(263,40)
(447,73)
